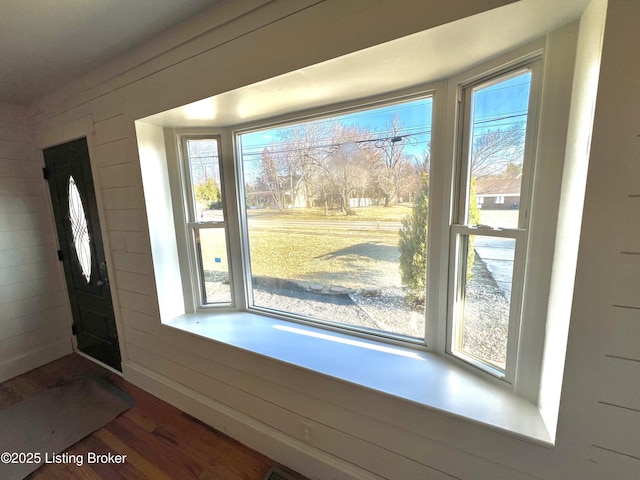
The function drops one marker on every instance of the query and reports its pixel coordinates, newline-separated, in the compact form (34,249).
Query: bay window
(403,219)
(332,213)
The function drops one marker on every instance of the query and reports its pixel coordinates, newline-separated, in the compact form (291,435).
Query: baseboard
(295,454)
(34,359)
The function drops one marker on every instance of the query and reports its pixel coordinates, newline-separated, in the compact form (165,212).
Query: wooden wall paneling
(21,186)
(103,86)
(26,238)
(20,168)
(619,382)
(131,242)
(612,464)
(34,318)
(129,220)
(427,423)
(121,175)
(480,440)
(27,289)
(372,430)
(15,129)
(123,198)
(140,303)
(623,333)
(281,36)
(23,256)
(135,282)
(133,263)
(626,284)
(618,430)
(29,271)
(629,230)
(313,462)
(112,129)
(385,463)
(36,304)
(16,150)
(33,202)
(28,360)
(116,152)
(37,222)
(59,126)
(19,344)
(18,325)
(140,321)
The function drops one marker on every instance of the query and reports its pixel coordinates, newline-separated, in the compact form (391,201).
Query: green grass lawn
(329,257)
(349,258)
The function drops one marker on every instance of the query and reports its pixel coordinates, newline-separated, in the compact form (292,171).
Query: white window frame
(241,249)
(459,227)
(446,150)
(193,289)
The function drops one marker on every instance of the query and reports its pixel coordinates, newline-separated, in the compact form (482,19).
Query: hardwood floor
(160,441)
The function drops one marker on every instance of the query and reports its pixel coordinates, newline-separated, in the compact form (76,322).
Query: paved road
(497,253)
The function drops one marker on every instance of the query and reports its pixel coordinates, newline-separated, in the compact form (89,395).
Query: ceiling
(45,44)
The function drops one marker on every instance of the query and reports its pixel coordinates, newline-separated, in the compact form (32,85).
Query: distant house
(498,193)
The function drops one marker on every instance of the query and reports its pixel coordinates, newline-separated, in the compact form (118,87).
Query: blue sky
(498,105)
(415,117)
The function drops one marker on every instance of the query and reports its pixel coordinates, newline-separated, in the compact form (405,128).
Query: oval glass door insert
(79,229)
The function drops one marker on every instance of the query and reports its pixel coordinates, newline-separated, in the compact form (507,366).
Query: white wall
(601,391)
(35,321)
(359,433)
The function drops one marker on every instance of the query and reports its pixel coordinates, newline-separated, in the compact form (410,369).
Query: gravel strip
(486,309)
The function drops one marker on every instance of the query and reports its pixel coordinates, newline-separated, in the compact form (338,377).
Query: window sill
(420,377)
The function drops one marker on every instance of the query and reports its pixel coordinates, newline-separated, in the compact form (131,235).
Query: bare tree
(343,166)
(395,171)
(271,177)
(301,146)
(494,150)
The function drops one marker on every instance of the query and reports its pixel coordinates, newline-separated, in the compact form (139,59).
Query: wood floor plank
(160,441)
(133,457)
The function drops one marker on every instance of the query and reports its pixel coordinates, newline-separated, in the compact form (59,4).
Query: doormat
(35,430)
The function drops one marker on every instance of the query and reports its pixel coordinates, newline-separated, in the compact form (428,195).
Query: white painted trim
(293,453)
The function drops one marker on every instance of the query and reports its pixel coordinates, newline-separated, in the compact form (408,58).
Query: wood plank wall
(613,233)
(35,325)
(374,435)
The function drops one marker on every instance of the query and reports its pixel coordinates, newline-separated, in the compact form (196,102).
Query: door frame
(63,133)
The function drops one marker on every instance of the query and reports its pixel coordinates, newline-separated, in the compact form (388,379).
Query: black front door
(68,172)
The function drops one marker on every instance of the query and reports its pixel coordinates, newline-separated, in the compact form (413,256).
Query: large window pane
(498,127)
(325,202)
(481,328)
